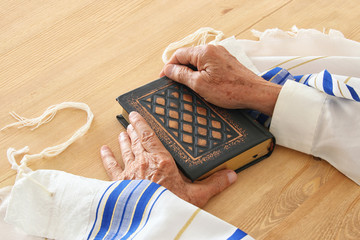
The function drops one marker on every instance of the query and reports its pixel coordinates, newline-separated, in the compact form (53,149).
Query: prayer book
(201,137)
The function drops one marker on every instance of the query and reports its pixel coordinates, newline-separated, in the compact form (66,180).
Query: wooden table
(92,51)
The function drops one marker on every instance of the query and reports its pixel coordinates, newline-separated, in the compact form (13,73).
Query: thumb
(178,73)
(213,185)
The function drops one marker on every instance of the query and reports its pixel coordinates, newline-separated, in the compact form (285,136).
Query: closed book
(201,137)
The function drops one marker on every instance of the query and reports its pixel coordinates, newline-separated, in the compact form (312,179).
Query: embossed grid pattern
(188,119)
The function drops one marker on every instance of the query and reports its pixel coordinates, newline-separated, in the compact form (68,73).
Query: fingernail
(232,176)
(104,149)
(131,114)
(122,135)
(130,127)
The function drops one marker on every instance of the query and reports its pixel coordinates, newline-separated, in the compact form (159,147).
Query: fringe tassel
(46,117)
(197,38)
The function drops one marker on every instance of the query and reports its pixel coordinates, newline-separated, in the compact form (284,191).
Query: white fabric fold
(7,231)
(301,42)
(324,126)
(300,65)
(64,215)
(337,135)
(77,210)
(296,116)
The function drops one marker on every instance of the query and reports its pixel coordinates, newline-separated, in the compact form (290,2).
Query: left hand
(145,157)
(221,79)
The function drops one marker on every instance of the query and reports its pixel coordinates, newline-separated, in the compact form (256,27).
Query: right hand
(220,79)
(145,157)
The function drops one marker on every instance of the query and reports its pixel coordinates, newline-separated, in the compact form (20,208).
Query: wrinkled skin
(220,79)
(145,157)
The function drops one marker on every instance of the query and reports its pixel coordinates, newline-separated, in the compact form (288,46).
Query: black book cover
(201,137)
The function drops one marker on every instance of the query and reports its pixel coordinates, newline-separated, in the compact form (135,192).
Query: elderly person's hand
(145,157)
(221,79)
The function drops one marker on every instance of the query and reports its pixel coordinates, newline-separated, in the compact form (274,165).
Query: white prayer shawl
(83,208)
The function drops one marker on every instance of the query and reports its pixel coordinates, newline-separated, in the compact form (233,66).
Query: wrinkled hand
(220,79)
(145,157)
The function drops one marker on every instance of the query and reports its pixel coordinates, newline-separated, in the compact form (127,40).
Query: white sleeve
(315,123)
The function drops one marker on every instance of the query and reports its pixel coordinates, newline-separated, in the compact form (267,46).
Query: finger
(112,167)
(214,184)
(125,148)
(178,68)
(136,145)
(185,56)
(149,141)
(182,56)
(181,74)
(161,74)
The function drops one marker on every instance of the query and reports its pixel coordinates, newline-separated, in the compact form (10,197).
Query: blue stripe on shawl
(147,219)
(269,74)
(353,93)
(126,203)
(122,211)
(140,208)
(306,82)
(238,234)
(283,79)
(327,83)
(117,198)
(298,78)
(108,210)
(97,209)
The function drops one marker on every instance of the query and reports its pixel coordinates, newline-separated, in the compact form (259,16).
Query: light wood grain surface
(92,51)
